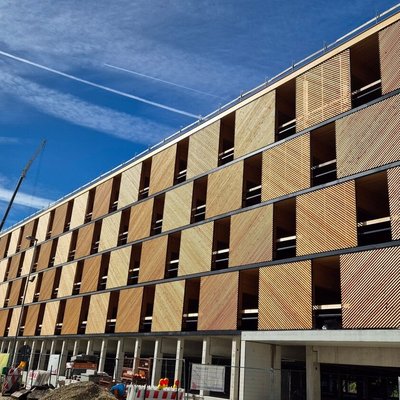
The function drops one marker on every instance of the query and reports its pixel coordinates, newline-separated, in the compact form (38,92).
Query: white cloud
(24,199)
(8,140)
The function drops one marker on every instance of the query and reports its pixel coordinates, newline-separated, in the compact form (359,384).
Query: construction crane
(21,178)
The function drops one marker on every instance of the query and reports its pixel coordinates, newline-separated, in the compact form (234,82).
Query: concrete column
(63,358)
(206,359)
(89,347)
(313,374)
(75,350)
(180,344)
(103,355)
(42,355)
(157,363)
(119,359)
(3,346)
(32,356)
(235,369)
(53,347)
(136,353)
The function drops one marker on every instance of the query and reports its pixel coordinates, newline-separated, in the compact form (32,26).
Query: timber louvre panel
(251,236)
(28,231)
(67,280)
(140,220)
(97,316)
(255,125)
(3,268)
(153,259)
(14,265)
(224,190)
(162,170)
(394,200)
(203,150)
(130,181)
(41,230)
(50,318)
(84,240)
(90,274)
(118,268)
(62,251)
(102,199)
(370,284)
(3,321)
(60,214)
(389,51)
(71,316)
(368,138)
(177,207)
(15,292)
(3,245)
(286,168)
(14,321)
(285,296)
(323,91)
(211,302)
(44,255)
(79,210)
(46,288)
(31,320)
(109,231)
(27,263)
(129,309)
(12,247)
(168,296)
(3,293)
(30,291)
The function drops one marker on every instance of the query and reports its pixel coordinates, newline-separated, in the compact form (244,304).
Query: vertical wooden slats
(63,245)
(168,307)
(3,245)
(323,91)
(79,210)
(50,318)
(285,296)
(59,219)
(153,259)
(218,312)
(251,237)
(102,199)
(196,249)
(162,170)
(370,284)
(84,241)
(109,231)
(67,280)
(41,230)
(14,321)
(3,293)
(3,269)
(118,268)
(286,168)
(203,150)
(3,321)
(368,138)
(326,219)
(15,292)
(30,291)
(28,231)
(27,263)
(31,320)
(90,274)
(12,247)
(44,255)
(178,207)
(130,180)
(224,190)
(140,220)
(46,288)
(255,125)
(71,316)
(14,265)
(389,52)
(97,315)
(394,200)
(129,309)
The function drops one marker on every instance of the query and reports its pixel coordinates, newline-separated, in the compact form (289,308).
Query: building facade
(265,239)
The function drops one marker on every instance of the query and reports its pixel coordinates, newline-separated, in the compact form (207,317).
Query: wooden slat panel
(14,265)
(130,181)
(162,170)
(255,125)
(368,138)
(3,245)
(67,280)
(323,91)
(31,320)
(84,241)
(326,219)
(63,245)
(251,237)
(285,296)
(203,150)
(44,255)
(30,291)
(46,288)
(196,249)
(14,321)
(224,190)
(90,274)
(3,321)
(286,168)
(3,293)
(119,267)
(211,302)
(79,210)
(27,263)
(50,318)
(153,259)
(43,224)
(15,292)
(59,219)
(389,52)
(370,283)
(102,199)
(129,309)
(3,269)
(168,296)
(97,316)
(394,200)
(109,231)
(140,220)
(71,316)
(12,247)
(178,207)
(28,231)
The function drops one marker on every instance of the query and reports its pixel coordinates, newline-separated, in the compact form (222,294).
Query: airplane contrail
(161,80)
(96,85)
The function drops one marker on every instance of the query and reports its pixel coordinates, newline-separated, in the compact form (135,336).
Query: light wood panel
(46,288)
(323,91)
(140,220)
(3,321)
(79,210)
(27,263)
(162,170)
(90,274)
(178,207)
(14,321)
(29,229)
(224,190)
(12,247)
(168,307)
(286,168)
(84,241)
(62,251)
(368,138)
(119,267)
(43,224)
(60,214)
(102,199)
(326,219)
(285,296)
(109,231)
(370,284)
(153,259)
(255,125)
(3,269)
(196,249)
(130,181)
(251,237)
(67,280)
(211,303)
(129,310)
(4,245)
(389,52)
(97,316)
(16,287)
(44,255)
(71,316)
(50,318)
(14,265)
(394,200)
(31,289)
(31,320)
(3,293)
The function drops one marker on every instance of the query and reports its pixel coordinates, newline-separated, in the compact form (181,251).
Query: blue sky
(211,50)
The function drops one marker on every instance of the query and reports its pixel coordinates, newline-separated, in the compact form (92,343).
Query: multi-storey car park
(265,239)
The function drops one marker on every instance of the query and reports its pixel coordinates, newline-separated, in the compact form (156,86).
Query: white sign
(208,377)
(53,364)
